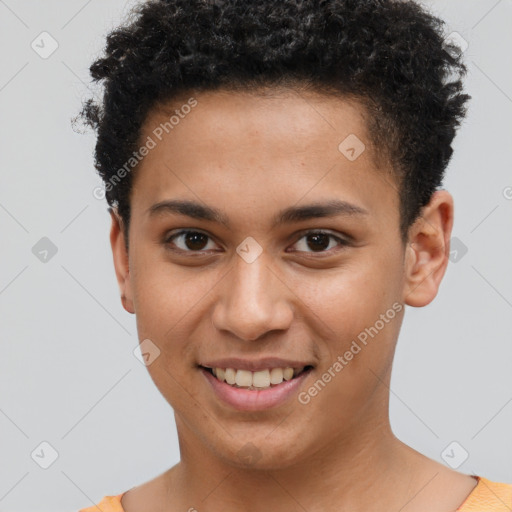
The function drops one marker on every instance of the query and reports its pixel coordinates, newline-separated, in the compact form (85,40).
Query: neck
(365,469)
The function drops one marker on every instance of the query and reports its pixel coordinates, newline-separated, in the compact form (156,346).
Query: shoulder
(107,504)
(488,496)
(140,497)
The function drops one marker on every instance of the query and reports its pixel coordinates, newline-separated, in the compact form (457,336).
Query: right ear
(121,262)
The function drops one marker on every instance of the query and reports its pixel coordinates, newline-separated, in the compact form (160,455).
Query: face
(291,256)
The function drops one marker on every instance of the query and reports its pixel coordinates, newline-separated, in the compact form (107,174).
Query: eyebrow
(289,215)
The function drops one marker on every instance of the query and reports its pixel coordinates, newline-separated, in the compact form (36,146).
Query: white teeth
(230,375)
(219,373)
(276,375)
(255,380)
(288,373)
(243,378)
(261,379)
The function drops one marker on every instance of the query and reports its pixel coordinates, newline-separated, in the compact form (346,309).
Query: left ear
(427,250)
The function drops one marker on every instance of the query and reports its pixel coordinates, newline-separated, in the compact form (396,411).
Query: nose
(253,300)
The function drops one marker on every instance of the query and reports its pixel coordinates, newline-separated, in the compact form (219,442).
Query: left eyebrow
(287,216)
(318,210)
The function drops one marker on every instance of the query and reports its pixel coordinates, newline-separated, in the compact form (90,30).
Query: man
(273,171)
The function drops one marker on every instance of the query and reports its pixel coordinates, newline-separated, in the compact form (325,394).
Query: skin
(251,156)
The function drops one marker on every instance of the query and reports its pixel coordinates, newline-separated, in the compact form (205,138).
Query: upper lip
(256,364)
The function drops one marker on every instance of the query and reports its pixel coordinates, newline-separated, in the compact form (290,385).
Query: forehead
(272,145)
(307,122)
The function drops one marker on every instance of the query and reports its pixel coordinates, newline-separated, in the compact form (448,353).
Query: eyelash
(341,242)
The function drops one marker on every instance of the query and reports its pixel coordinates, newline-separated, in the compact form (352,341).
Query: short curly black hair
(391,55)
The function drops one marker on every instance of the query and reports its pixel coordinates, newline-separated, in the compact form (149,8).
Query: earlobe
(427,250)
(121,261)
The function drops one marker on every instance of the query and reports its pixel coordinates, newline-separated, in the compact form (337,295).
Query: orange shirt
(487,496)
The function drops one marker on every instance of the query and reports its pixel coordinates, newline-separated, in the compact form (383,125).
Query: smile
(244,390)
(263,379)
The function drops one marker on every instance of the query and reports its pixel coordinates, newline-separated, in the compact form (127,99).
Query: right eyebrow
(189,209)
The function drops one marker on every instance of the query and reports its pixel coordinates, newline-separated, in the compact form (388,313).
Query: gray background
(68,375)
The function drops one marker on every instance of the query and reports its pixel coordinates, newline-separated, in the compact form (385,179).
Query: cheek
(166,295)
(359,326)
(353,295)
(167,302)
(358,313)
(172,306)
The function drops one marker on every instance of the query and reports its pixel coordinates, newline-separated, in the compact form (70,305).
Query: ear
(427,250)
(121,262)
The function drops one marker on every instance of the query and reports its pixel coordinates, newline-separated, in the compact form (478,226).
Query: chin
(265,455)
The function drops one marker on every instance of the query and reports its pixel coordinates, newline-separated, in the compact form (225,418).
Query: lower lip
(255,400)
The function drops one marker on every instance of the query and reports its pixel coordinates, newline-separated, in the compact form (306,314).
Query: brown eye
(319,241)
(195,241)
(189,241)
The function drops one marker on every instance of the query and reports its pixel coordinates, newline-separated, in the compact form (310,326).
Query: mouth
(243,390)
(259,380)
